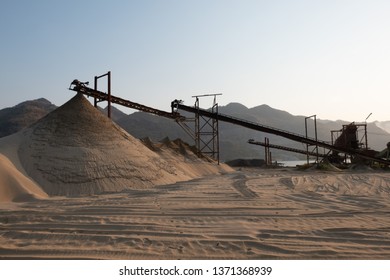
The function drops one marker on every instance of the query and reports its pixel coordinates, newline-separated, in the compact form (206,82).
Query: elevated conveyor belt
(117,100)
(176,105)
(285,148)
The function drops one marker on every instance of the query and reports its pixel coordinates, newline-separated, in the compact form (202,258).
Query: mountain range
(233,138)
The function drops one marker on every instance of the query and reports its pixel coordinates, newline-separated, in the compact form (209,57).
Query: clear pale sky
(329,57)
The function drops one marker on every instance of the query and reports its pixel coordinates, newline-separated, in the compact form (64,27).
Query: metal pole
(197,127)
(269,153)
(217,134)
(365,135)
(307,145)
(316,138)
(95,87)
(109,94)
(265,151)
(315,128)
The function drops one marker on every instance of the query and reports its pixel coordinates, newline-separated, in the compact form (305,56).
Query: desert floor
(248,214)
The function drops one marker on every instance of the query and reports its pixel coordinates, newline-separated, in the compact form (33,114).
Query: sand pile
(76,150)
(177,146)
(15,186)
(184,159)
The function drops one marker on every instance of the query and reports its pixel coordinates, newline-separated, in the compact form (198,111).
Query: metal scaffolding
(206,129)
(108,98)
(349,137)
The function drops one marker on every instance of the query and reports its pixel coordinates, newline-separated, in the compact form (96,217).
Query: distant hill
(116,114)
(142,125)
(383,125)
(22,115)
(233,138)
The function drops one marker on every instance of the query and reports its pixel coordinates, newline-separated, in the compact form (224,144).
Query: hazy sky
(329,57)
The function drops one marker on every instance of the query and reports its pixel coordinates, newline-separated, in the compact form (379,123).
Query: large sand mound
(77,150)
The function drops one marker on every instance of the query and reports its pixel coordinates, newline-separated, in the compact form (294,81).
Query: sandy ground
(248,214)
(76,186)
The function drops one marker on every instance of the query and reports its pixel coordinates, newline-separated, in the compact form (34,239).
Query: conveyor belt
(129,104)
(176,105)
(82,88)
(285,148)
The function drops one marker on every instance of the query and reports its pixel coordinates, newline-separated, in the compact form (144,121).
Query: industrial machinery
(346,144)
(348,137)
(82,87)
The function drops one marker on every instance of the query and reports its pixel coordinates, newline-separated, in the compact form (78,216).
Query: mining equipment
(348,138)
(345,145)
(82,87)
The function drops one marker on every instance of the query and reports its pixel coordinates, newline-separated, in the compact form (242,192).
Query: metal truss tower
(206,129)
